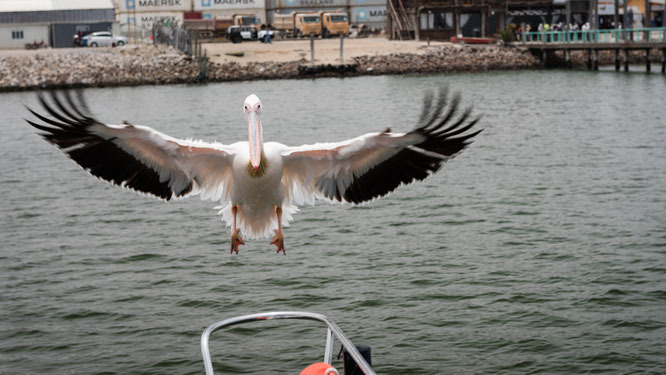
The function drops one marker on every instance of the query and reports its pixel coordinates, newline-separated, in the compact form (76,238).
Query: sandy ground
(327,51)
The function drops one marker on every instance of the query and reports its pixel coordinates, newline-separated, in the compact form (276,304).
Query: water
(540,249)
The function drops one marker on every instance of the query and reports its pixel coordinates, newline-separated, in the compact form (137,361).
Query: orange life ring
(320,368)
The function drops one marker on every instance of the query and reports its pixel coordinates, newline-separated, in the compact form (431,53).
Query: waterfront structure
(593,41)
(443,19)
(53,22)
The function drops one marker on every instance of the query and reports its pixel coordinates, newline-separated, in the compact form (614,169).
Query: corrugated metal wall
(86,15)
(62,34)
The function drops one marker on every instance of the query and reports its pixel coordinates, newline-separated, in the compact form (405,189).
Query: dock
(622,41)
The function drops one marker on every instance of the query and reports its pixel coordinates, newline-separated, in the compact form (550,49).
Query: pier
(593,41)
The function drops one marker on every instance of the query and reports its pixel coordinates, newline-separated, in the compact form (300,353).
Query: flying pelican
(259,183)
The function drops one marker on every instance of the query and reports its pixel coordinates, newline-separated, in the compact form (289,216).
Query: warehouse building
(53,22)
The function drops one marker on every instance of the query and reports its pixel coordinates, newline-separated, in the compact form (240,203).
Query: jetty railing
(644,34)
(333,332)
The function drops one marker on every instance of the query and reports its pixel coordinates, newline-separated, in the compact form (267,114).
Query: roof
(49,5)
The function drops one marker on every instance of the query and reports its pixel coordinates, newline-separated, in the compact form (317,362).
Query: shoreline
(159,65)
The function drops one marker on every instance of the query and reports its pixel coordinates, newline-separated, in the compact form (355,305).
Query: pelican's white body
(257,197)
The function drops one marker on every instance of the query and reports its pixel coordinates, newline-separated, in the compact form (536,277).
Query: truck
(209,28)
(334,23)
(298,24)
(246,19)
(237,34)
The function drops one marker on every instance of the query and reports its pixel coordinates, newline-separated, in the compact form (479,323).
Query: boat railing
(333,332)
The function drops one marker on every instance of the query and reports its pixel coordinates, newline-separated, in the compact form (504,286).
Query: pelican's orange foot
(278,241)
(236,241)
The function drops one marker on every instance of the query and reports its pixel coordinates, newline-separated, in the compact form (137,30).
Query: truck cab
(307,24)
(334,23)
(247,20)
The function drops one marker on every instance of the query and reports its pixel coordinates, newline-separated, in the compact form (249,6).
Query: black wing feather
(421,160)
(70,131)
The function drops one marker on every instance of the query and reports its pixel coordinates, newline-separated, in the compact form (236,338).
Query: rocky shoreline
(157,65)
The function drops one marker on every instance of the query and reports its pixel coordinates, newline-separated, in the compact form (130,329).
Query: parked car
(103,39)
(234,34)
(238,33)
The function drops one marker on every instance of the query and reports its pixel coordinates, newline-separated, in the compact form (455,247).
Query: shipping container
(155,6)
(366,2)
(228,5)
(374,16)
(145,20)
(259,13)
(310,4)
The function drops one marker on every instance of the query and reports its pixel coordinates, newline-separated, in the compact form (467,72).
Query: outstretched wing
(136,157)
(374,164)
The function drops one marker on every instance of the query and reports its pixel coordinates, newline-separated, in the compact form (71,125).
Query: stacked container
(144,13)
(368,12)
(228,8)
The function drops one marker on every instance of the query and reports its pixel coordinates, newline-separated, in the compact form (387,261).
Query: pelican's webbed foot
(236,241)
(278,241)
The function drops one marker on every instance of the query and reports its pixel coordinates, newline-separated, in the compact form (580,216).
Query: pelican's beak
(255,130)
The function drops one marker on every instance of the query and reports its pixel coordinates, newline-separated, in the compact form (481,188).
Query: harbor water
(541,249)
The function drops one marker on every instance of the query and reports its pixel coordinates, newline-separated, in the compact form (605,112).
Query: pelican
(260,184)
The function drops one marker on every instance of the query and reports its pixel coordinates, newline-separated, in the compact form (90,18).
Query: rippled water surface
(540,249)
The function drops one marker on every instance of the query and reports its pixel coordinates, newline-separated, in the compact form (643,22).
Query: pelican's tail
(256,226)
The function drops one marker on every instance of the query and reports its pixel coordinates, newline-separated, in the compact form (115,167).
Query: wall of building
(62,34)
(35,20)
(31,33)
(43,17)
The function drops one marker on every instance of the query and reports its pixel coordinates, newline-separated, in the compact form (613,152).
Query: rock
(148,64)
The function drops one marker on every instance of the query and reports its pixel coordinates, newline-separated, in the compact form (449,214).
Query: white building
(52,21)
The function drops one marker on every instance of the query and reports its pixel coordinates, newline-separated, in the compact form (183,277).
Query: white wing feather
(178,162)
(323,169)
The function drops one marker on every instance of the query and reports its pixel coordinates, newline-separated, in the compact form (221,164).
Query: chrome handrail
(333,330)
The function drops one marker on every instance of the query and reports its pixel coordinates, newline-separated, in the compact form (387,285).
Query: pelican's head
(252,110)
